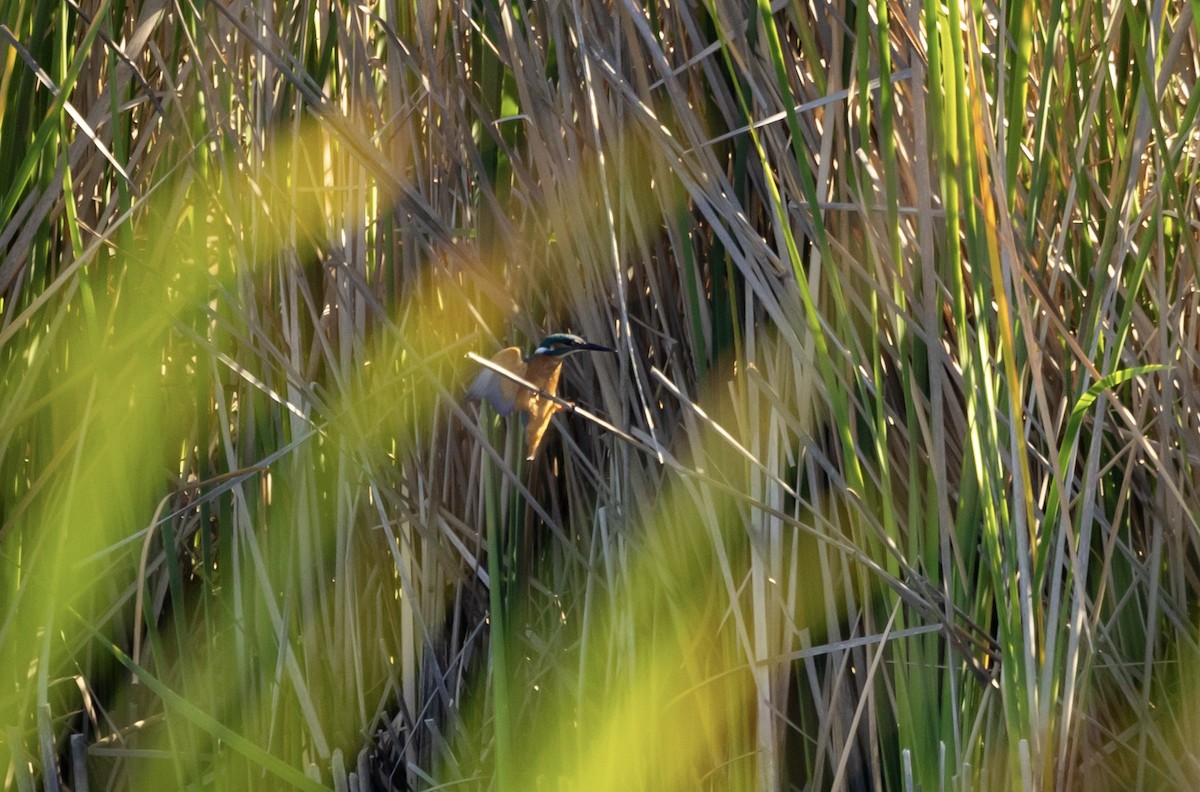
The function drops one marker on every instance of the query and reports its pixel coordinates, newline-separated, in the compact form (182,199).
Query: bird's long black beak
(595,347)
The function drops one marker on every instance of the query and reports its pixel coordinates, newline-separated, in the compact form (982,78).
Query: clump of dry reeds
(902,495)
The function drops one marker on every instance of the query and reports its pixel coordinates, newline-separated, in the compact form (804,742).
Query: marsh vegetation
(900,487)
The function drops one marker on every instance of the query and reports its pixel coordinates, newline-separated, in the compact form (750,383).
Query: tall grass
(904,494)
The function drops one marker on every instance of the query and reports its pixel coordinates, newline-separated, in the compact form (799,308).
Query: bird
(542,369)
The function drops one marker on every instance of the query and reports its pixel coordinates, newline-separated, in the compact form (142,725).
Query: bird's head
(563,344)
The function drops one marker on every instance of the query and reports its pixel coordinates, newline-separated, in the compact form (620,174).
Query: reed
(904,298)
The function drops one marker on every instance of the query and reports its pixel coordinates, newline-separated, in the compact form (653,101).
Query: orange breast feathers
(505,396)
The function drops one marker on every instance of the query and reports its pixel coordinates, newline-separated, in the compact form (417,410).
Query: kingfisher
(541,369)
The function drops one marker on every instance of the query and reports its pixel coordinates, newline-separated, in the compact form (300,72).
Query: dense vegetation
(895,483)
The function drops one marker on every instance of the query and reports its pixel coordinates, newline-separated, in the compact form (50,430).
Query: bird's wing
(500,392)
